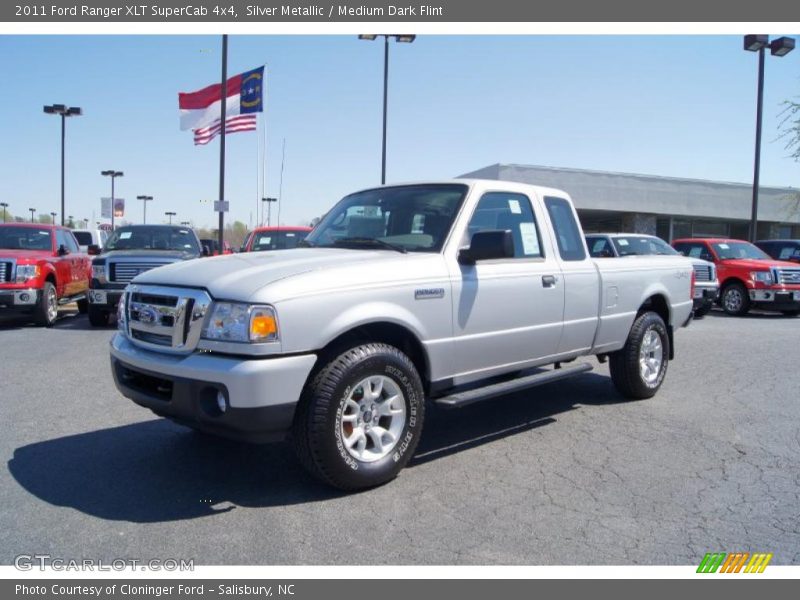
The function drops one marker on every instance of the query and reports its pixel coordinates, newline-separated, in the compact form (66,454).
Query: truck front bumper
(241,398)
(105,300)
(19,299)
(776,299)
(705,293)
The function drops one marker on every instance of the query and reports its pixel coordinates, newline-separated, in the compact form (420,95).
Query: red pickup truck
(41,267)
(748,277)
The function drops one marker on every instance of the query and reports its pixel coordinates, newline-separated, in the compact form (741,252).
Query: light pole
(145,200)
(186,223)
(777,47)
(53,217)
(402,38)
(113,174)
(5,206)
(269,202)
(33,210)
(170,214)
(64,111)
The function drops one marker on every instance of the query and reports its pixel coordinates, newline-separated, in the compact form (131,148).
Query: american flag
(233,124)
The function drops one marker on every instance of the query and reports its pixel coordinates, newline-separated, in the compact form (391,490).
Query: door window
(508,211)
(568,234)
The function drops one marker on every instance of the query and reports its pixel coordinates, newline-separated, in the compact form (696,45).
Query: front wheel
(638,369)
(360,418)
(735,300)
(98,317)
(46,310)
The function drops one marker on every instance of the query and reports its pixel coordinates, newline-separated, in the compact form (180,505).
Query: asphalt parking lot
(567,473)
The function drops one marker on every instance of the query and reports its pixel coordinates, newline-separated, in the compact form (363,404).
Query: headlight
(233,322)
(98,271)
(26,272)
(121,324)
(762,276)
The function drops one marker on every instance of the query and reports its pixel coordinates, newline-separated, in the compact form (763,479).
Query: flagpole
(280,185)
(264,134)
(223,117)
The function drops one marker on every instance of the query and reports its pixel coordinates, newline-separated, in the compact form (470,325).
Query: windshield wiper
(305,244)
(369,241)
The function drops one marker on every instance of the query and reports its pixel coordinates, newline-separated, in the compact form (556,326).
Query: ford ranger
(452,292)
(41,267)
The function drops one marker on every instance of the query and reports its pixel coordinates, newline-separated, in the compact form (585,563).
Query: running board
(459,399)
(71,299)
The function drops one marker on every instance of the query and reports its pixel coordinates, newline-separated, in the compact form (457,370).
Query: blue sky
(682,106)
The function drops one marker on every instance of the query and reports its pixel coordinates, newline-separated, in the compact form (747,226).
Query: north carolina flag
(202,108)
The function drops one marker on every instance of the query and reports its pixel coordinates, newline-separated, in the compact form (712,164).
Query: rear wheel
(97,317)
(360,418)
(735,300)
(638,369)
(46,310)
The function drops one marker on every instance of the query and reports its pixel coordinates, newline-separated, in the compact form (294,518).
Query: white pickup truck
(450,292)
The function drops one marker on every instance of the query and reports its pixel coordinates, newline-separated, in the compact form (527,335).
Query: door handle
(549,281)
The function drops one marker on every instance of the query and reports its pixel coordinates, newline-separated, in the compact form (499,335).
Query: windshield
(25,238)
(84,237)
(734,250)
(415,218)
(639,245)
(143,237)
(276,240)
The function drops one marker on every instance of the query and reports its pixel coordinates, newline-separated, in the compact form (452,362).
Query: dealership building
(669,207)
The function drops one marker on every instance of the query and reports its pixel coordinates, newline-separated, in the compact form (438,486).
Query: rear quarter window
(568,234)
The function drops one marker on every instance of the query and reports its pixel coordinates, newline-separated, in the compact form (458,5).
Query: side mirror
(487,245)
(243,249)
(93,250)
(62,250)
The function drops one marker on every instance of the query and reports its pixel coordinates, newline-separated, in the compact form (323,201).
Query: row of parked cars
(45,266)
(735,274)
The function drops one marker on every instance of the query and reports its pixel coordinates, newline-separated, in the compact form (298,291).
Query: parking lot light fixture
(5,206)
(778,47)
(145,200)
(402,38)
(63,111)
(170,214)
(53,218)
(113,174)
(33,210)
(269,202)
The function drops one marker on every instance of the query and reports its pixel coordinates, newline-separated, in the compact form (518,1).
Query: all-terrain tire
(45,312)
(325,425)
(639,368)
(735,300)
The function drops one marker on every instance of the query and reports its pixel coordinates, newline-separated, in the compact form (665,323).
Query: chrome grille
(702,273)
(164,318)
(124,272)
(788,276)
(5,272)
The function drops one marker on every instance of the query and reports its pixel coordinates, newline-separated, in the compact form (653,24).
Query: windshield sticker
(622,242)
(514,206)
(183,231)
(125,235)
(289,235)
(724,246)
(530,241)
(264,240)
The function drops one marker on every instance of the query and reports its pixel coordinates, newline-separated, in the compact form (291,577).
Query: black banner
(443,11)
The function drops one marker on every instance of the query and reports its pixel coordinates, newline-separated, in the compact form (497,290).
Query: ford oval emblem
(147,315)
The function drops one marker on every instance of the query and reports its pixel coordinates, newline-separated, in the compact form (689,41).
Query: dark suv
(781,249)
(129,251)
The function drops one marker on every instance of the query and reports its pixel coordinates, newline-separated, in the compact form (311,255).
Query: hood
(758,265)
(165,255)
(239,276)
(22,256)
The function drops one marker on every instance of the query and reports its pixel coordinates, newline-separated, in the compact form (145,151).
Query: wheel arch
(658,304)
(387,332)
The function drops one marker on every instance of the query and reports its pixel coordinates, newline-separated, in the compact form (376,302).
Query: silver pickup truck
(450,292)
